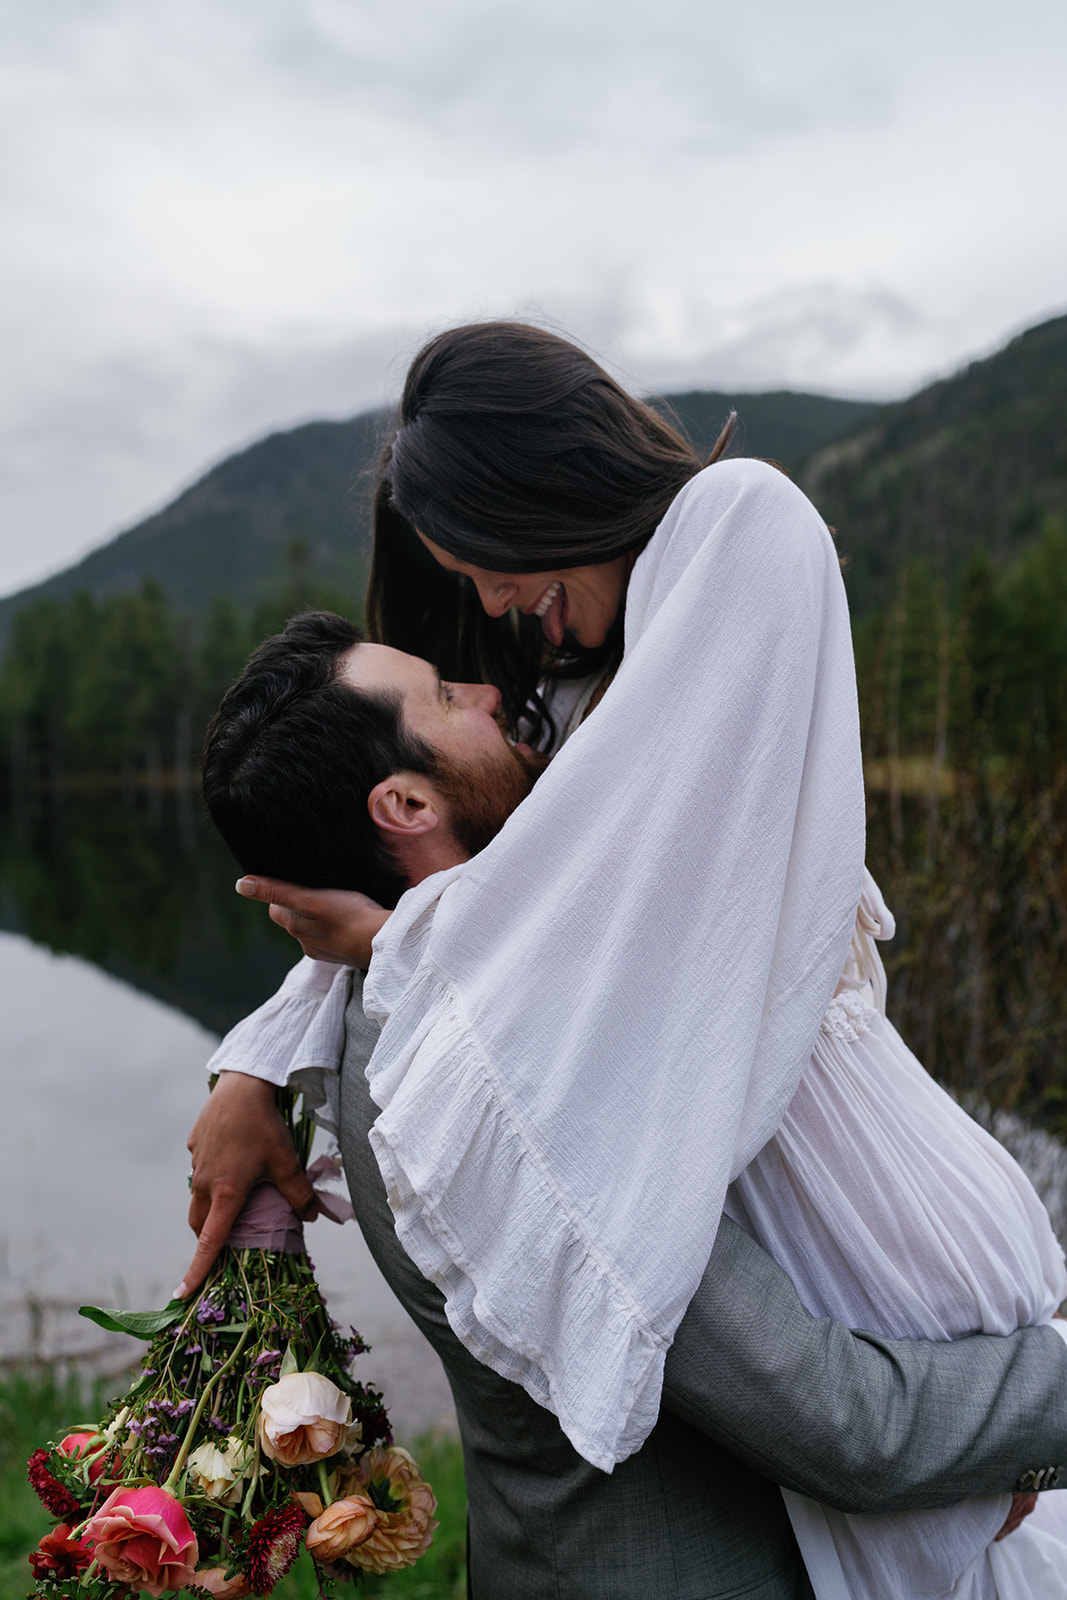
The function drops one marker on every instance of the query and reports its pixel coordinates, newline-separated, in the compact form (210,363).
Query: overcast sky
(226,216)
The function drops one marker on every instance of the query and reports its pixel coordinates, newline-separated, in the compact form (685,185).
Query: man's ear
(404,805)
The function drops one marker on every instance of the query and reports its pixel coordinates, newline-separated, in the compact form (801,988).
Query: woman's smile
(581,601)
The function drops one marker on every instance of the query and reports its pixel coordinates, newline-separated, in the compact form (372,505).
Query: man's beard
(481,795)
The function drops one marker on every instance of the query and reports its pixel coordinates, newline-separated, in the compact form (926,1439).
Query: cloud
(222,217)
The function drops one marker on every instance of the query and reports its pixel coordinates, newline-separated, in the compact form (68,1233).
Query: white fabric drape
(589,1030)
(893,1211)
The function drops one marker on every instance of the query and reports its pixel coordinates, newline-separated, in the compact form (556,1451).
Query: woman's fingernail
(179,1293)
(245,886)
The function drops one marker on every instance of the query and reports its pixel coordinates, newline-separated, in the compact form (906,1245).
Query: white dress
(893,1211)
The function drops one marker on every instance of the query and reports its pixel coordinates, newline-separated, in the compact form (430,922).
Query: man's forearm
(860,1422)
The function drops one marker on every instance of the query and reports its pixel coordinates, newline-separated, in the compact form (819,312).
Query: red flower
(273,1545)
(58,1556)
(54,1497)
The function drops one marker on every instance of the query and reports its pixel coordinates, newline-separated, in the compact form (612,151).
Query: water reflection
(125,952)
(142,887)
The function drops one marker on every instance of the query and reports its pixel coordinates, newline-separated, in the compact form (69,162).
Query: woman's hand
(1021,1507)
(329,924)
(238,1140)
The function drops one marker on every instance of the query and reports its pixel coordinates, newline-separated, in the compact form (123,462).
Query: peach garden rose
(303,1418)
(220,1587)
(343,1525)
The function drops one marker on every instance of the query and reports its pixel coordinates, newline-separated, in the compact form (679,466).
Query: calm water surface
(124,954)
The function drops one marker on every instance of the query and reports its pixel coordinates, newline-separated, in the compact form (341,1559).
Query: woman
(595,1028)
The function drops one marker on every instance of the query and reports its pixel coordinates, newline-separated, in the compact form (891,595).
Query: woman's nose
(496,597)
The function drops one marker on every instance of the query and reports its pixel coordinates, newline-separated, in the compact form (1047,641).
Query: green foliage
(964,712)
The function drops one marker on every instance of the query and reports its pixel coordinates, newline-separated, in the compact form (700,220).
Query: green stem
(194,1421)
(324,1485)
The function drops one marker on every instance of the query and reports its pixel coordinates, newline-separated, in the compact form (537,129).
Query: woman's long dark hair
(515,452)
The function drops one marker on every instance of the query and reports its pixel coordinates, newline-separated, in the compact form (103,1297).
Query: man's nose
(482,696)
(497,597)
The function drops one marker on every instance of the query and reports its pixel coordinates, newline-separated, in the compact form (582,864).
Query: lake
(124,954)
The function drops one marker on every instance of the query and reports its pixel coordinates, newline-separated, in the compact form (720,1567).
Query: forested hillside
(974,464)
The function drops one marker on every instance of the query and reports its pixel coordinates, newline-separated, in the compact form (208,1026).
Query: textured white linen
(893,1211)
(593,1026)
(296,1038)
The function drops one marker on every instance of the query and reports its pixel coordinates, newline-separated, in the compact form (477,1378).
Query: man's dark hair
(292,754)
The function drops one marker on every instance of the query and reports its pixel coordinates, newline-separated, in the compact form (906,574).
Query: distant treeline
(963,698)
(122,688)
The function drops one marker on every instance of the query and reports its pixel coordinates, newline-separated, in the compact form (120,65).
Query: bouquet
(242,1440)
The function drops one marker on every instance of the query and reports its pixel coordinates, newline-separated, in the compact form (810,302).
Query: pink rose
(81,1444)
(303,1418)
(341,1527)
(142,1537)
(215,1581)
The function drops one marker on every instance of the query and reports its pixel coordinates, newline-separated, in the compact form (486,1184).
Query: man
(335,761)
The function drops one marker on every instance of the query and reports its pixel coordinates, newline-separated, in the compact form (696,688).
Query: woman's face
(582,601)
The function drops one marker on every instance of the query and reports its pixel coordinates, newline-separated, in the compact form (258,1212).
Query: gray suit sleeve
(861,1422)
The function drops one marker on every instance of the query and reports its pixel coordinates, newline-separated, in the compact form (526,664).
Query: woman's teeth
(547,598)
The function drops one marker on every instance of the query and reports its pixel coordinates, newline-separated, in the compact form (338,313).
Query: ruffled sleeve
(296,1038)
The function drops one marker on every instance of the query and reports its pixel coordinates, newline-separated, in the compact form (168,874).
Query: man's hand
(239,1140)
(1021,1507)
(328,924)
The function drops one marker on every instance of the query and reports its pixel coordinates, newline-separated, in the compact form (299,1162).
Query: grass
(36,1407)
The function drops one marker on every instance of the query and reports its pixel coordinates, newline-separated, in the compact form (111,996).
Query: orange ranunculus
(303,1418)
(341,1527)
(405,1505)
(142,1537)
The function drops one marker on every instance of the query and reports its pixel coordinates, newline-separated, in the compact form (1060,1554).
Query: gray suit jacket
(757,1393)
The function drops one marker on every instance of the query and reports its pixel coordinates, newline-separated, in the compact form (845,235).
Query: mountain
(306,493)
(974,463)
(236,530)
